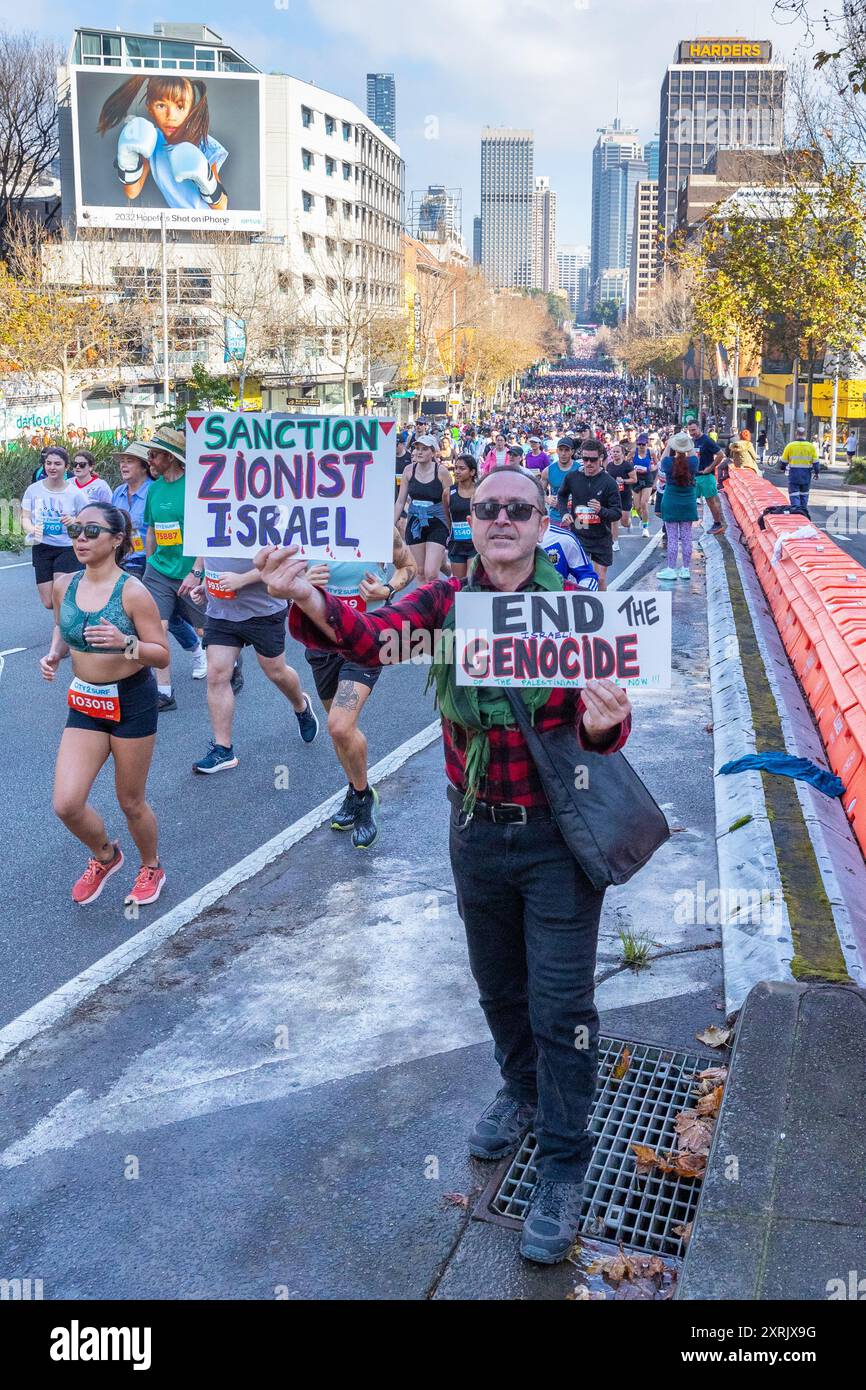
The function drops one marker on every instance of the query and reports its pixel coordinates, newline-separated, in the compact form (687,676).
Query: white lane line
(55,1006)
(10,651)
(16,565)
(636,563)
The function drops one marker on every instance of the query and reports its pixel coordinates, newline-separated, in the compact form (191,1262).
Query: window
(306,116)
(194,285)
(330,125)
(330,166)
(284,281)
(330,206)
(347,131)
(331,285)
(347,171)
(142,53)
(308,200)
(309,284)
(347,210)
(306,159)
(309,242)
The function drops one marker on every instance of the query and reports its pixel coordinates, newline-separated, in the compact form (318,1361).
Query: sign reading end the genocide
(563,639)
(324,483)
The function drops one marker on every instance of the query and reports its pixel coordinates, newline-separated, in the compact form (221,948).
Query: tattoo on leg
(347,696)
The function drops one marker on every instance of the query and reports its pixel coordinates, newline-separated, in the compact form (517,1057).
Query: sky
(562,68)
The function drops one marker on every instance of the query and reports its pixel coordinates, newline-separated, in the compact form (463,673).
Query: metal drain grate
(641,1212)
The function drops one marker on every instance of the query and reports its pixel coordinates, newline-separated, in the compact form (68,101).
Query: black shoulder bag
(612,825)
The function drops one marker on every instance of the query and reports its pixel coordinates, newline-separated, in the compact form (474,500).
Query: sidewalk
(294,1074)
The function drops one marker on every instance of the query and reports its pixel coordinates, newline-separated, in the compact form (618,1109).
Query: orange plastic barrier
(817,595)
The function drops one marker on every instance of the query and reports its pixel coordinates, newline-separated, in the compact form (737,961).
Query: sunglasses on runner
(90,531)
(81,463)
(515,511)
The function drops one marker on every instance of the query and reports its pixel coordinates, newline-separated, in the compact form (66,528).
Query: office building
(611,198)
(611,287)
(544,273)
(382,102)
(436,213)
(651,155)
(507,189)
(314,204)
(476,240)
(643,268)
(716,94)
(728,170)
(572,264)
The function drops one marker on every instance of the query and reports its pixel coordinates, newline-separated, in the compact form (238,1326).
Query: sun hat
(133,450)
(681,443)
(170,441)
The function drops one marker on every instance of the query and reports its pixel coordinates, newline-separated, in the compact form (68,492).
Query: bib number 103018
(99,701)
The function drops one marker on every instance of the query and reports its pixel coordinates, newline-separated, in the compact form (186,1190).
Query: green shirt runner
(163,510)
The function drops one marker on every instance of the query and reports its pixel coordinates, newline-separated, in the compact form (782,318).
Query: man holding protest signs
(531,914)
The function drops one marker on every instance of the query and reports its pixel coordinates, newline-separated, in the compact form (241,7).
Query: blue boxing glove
(188,162)
(136,143)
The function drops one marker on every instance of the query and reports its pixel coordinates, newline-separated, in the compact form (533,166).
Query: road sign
(689,414)
(402,395)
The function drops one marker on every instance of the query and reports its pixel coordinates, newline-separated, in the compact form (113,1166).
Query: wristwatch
(198,573)
(391,592)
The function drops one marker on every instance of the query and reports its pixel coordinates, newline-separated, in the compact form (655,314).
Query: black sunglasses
(515,511)
(90,530)
(81,463)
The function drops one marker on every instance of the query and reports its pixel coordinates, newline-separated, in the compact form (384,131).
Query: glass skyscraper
(507,189)
(382,101)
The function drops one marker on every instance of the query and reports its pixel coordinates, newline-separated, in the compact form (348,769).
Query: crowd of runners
(110,566)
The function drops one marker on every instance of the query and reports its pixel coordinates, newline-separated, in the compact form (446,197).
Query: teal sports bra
(73,620)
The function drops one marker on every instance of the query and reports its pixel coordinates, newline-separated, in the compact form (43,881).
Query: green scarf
(477,709)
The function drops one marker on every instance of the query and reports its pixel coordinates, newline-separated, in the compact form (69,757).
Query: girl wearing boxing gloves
(174,144)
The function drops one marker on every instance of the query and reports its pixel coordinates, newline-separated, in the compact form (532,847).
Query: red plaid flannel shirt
(511,776)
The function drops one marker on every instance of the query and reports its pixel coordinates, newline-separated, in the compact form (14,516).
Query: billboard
(153,144)
(734,50)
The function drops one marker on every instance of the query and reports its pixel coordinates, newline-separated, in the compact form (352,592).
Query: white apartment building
(329,225)
(544,273)
(644,245)
(573,264)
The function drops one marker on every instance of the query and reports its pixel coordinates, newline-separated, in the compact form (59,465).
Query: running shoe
(166,702)
(344,818)
(685,573)
(237,680)
(147,887)
(645,533)
(667,573)
(95,876)
(501,1126)
(218,758)
(717,530)
(616,545)
(199,665)
(308,724)
(366,831)
(552,1222)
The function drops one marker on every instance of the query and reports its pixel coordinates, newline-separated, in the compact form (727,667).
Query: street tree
(28,121)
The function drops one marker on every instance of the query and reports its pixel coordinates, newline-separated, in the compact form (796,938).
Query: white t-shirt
(48,508)
(97,490)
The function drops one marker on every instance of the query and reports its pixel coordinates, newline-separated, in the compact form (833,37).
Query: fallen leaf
(634,1289)
(694,1133)
(582,1294)
(622,1065)
(710,1104)
(455,1199)
(687,1165)
(646,1266)
(647,1158)
(684,1233)
(708,728)
(710,1078)
(714,1036)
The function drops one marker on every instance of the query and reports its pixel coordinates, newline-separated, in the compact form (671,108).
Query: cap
(566,443)
(429,439)
(643,439)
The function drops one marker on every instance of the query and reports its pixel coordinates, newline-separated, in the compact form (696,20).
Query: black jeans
(531,918)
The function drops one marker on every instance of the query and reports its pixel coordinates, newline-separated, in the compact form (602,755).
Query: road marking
(16,565)
(10,651)
(65,998)
(627,573)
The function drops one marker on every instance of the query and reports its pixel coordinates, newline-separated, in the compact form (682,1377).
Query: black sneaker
(217,759)
(344,818)
(366,831)
(501,1127)
(552,1222)
(166,702)
(237,680)
(308,724)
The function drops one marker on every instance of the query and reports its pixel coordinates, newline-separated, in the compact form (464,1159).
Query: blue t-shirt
(707,449)
(183,194)
(569,558)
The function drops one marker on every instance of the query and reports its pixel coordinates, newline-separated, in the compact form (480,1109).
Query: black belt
(503,812)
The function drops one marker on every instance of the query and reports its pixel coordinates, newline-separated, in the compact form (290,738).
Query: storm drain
(640,1212)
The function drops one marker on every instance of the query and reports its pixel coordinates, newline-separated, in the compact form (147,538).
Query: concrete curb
(749,877)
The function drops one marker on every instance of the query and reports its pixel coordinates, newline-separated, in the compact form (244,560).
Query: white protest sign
(563,639)
(322,482)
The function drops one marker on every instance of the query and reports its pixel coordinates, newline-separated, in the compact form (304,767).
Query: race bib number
(53,526)
(137,543)
(461,531)
(620,484)
(584,517)
(354,601)
(99,701)
(168,534)
(214,588)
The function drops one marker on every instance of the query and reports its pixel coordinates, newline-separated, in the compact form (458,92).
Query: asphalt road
(206,824)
